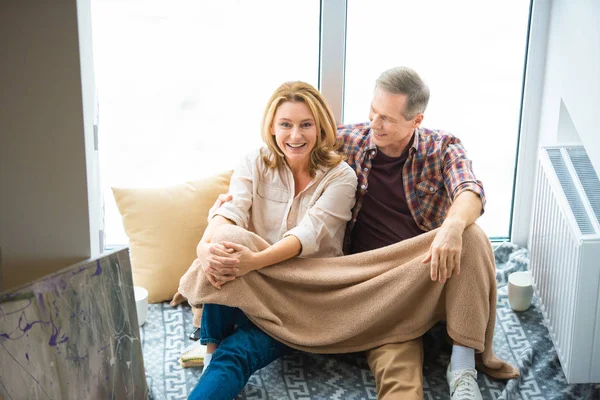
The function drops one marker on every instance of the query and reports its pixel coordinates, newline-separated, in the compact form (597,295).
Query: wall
(562,89)
(573,74)
(46,221)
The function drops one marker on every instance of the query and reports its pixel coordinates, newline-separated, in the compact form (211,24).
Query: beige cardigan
(264,203)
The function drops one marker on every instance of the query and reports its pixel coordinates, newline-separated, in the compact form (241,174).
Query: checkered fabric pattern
(436,171)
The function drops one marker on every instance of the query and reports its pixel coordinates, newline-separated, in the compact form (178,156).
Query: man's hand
(446,248)
(445,252)
(222,199)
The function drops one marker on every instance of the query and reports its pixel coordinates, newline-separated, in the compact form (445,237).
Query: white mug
(141,303)
(520,290)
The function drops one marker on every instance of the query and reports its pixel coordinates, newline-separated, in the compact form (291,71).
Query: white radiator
(565,258)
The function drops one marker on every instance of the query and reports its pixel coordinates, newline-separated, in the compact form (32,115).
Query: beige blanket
(358,302)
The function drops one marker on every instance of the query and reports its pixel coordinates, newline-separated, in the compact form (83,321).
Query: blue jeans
(218,322)
(240,353)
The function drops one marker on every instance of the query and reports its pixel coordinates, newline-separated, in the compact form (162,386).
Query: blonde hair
(324,153)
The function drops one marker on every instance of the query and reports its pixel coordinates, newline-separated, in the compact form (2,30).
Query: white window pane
(471,54)
(182,84)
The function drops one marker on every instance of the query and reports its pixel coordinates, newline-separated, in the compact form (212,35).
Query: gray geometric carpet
(520,338)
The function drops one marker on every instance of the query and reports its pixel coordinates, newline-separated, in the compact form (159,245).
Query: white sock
(207,358)
(191,347)
(462,358)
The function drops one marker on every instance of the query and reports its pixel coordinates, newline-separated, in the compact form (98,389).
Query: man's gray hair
(404,80)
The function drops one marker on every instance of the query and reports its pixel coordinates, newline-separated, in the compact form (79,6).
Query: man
(411,180)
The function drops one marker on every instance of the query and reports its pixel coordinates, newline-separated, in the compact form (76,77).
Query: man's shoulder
(435,134)
(353,135)
(360,129)
(436,138)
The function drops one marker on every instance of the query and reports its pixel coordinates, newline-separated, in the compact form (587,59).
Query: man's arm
(446,248)
(464,211)
(468,201)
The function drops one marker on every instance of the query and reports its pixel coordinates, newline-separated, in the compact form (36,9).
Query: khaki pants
(398,370)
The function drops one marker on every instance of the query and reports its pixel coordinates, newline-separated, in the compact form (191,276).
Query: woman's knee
(239,235)
(228,233)
(218,322)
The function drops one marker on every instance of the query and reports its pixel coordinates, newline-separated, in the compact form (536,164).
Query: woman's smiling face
(295,132)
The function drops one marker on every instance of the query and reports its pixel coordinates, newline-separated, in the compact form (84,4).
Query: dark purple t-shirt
(384,218)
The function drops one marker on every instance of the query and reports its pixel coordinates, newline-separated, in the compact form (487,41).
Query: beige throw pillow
(164,226)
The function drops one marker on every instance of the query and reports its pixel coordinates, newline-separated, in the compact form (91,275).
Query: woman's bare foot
(177,299)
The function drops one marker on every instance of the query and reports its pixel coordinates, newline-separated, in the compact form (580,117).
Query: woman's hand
(217,263)
(213,281)
(248,260)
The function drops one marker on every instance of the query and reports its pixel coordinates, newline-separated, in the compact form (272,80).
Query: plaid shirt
(436,171)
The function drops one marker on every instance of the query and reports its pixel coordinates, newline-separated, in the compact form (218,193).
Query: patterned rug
(521,338)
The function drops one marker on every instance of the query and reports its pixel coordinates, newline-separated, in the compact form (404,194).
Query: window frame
(332,59)
(331,82)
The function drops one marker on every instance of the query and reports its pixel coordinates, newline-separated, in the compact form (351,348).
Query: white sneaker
(194,356)
(463,384)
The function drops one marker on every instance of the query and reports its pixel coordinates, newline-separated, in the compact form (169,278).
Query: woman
(295,193)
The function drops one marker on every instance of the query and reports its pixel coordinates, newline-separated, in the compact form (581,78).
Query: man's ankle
(462,358)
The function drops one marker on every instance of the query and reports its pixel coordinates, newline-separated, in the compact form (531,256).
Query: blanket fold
(362,301)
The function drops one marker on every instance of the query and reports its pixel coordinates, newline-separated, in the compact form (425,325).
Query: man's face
(390,131)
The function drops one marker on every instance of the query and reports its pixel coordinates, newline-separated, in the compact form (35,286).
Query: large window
(471,54)
(182,84)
